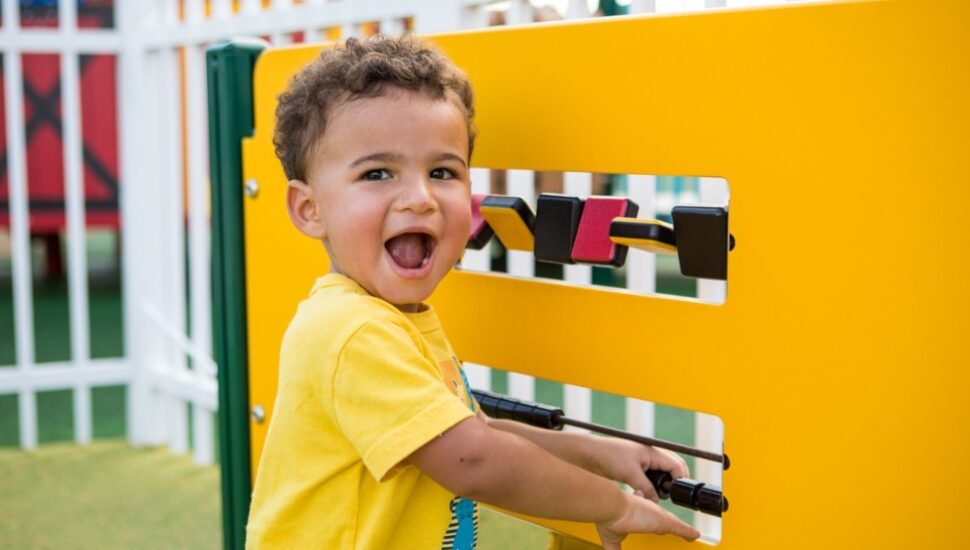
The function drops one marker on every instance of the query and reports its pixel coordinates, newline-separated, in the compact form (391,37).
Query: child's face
(390,183)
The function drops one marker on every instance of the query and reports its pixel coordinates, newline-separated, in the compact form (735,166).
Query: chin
(401,299)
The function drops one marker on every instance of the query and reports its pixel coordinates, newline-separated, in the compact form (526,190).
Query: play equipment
(511,219)
(841,334)
(598,230)
(553,418)
(684,492)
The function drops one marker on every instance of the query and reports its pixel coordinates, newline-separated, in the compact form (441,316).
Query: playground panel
(839,343)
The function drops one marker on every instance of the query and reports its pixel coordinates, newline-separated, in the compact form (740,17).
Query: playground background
(109,494)
(107,403)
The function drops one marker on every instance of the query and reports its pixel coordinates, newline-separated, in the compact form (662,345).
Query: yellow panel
(509,227)
(839,362)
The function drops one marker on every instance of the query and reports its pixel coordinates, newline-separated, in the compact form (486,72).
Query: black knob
(688,493)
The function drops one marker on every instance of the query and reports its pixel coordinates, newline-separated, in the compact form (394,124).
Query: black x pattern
(45,112)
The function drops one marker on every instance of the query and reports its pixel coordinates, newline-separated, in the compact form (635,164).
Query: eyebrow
(394,157)
(451,156)
(379,157)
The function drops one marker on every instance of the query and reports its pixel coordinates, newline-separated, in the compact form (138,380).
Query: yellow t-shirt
(361,387)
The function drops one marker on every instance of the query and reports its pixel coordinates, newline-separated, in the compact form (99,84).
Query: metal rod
(669,445)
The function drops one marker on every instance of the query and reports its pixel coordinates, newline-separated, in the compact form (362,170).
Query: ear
(303,209)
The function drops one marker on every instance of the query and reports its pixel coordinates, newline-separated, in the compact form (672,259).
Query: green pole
(229,69)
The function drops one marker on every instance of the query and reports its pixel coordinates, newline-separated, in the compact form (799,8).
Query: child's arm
(612,458)
(474,460)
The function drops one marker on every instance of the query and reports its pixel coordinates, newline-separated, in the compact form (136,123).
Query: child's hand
(643,516)
(626,461)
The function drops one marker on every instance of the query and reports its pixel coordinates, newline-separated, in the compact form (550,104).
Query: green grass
(107,495)
(55,416)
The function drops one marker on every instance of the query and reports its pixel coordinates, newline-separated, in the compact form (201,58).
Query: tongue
(407,250)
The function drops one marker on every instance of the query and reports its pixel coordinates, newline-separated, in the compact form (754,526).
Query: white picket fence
(168,367)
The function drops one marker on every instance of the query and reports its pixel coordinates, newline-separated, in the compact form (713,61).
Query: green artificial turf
(106,495)
(51,306)
(109,495)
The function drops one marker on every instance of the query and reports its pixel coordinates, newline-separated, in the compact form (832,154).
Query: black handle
(688,493)
(534,414)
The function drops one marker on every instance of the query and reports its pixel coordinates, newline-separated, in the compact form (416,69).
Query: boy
(376,441)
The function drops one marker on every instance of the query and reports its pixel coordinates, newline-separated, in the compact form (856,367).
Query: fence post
(229,67)
(138,196)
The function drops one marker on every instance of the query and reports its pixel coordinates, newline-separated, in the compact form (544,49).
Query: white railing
(168,366)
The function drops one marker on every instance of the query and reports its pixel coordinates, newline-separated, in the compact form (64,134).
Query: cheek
(460,210)
(460,227)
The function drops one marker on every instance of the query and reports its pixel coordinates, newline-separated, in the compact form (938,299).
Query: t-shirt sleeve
(388,397)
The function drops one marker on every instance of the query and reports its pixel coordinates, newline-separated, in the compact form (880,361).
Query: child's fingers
(643,488)
(674,525)
(648,493)
(662,459)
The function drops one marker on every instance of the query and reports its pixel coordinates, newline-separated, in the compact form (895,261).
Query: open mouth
(411,250)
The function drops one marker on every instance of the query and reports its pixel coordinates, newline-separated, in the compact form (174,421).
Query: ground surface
(108,495)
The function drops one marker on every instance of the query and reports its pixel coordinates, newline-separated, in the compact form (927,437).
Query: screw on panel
(258,414)
(252,188)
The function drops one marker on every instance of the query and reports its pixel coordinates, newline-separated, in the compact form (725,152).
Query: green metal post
(229,67)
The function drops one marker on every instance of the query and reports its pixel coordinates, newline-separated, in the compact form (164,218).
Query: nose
(417,195)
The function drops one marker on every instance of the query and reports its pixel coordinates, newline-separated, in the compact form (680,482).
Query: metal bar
(519,13)
(229,70)
(199,239)
(186,386)
(200,277)
(521,263)
(169,14)
(577,399)
(194,12)
(291,20)
(282,5)
(250,7)
(64,375)
(203,361)
(642,266)
(203,448)
(709,433)
(222,10)
(136,263)
(20,238)
(177,418)
(641,276)
(669,445)
(392,26)
(76,247)
(67,17)
(53,41)
(11,16)
(577,9)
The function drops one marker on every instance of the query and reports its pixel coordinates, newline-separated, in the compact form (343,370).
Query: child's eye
(442,174)
(379,174)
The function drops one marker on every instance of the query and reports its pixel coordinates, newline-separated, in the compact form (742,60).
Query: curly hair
(358,69)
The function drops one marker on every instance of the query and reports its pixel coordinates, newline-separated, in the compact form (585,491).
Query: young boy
(375,440)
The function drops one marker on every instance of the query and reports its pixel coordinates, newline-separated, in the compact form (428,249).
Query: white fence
(167,366)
